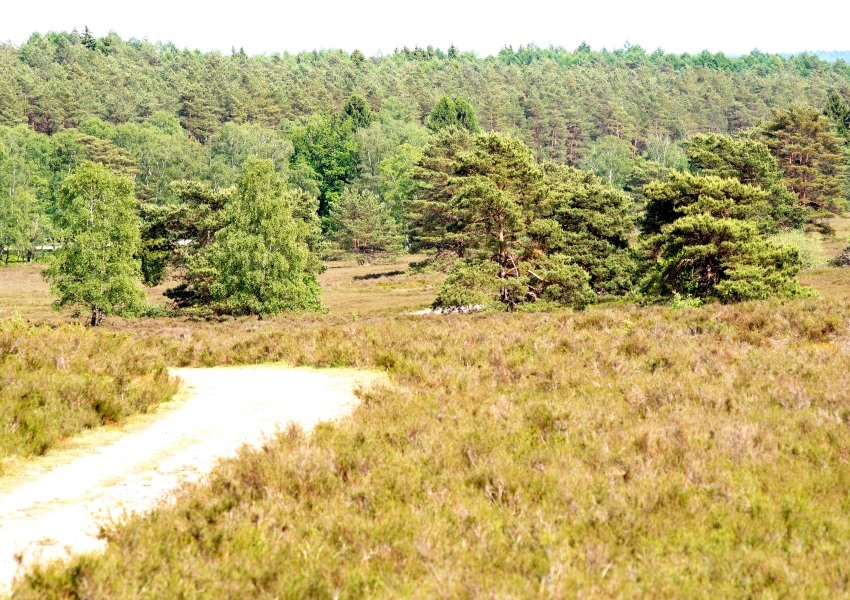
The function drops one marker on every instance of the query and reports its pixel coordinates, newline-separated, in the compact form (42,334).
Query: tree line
(242,205)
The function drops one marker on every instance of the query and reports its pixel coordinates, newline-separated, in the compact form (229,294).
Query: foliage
(589,223)
(358,111)
(709,257)
(563,281)
(453,113)
(96,266)
(260,260)
(685,194)
(362,224)
(469,283)
(327,146)
(434,224)
(808,247)
(810,155)
(705,242)
(750,162)
(612,159)
(23,222)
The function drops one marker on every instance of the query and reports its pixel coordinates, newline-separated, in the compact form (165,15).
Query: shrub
(470,282)
(809,248)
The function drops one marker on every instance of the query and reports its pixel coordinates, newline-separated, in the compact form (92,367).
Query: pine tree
(358,111)
(750,162)
(704,241)
(810,156)
(363,225)
(589,224)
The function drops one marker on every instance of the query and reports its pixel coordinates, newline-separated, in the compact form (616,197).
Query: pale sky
(733,26)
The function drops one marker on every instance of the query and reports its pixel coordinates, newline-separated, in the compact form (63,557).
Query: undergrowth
(620,451)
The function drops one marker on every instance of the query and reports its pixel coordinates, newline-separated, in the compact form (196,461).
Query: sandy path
(221,409)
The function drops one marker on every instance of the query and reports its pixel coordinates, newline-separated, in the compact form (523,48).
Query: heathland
(620,450)
(645,393)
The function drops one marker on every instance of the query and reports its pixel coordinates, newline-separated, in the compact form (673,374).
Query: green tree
(395,179)
(260,257)
(326,144)
(588,223)
(494,187)
(363,225)
(24,221)
(750,162)
(453,113)
(705,241)
(95,266)
(435,223)
(358,111)
(810,156)
(838,113)
(612,159)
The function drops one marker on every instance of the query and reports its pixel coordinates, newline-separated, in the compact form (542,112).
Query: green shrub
(809,248)
(470,282)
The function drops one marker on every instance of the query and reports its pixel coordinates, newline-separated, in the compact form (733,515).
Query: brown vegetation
(618,451)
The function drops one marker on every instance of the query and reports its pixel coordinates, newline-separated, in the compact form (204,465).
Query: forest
(557,176)
(644,393)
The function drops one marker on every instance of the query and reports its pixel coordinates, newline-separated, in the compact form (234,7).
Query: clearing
(52,514)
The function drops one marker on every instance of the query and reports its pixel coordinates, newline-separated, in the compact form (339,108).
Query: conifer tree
(809,155)
(704,241)
(363,225)
(750,162)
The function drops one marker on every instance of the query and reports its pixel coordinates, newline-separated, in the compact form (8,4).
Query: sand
(52,514)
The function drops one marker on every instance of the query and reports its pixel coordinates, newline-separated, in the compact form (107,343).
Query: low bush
(809,247)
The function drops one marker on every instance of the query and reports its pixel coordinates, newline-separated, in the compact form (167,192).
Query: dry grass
(617,452)
(621,451)
(58,381)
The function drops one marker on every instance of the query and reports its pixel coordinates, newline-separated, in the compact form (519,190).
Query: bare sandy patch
(52,514)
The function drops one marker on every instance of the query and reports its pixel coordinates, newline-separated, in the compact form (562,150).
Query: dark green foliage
(590,224)
(559,279)
(750,162)
(453,113)
(470,283)
(705,241)
(433,223)
(810,156)
(327,146)
(707,257)
(358,111)
(466,116)
(553,232)
(687,194)
(837,111)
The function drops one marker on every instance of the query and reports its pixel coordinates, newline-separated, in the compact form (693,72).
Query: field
(620,451)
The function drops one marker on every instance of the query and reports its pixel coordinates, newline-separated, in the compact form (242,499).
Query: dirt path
(219,410)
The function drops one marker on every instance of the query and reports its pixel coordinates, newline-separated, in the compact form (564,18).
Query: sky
(380,26)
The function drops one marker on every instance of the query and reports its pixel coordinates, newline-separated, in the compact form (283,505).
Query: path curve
(220,410)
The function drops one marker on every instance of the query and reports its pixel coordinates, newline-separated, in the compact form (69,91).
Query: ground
(620,451)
